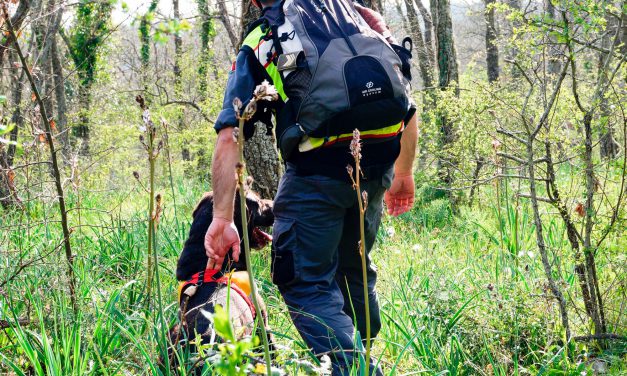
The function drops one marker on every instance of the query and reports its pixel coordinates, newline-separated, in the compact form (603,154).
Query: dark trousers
(316,262)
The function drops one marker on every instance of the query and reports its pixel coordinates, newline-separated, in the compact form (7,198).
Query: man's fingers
(236,252)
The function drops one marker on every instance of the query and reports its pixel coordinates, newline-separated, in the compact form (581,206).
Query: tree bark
(262,157)
(17,19)
(81,131)
(491,48)
(8,192)
(553,65)
(609,147)
(59,86)
(262,162)
(511,52)
(428,32)
(228,26)
(249,14)
(178,50)
(206,35)
(447,57)
(448,75)
(374,5)
(598,317)
(426,69)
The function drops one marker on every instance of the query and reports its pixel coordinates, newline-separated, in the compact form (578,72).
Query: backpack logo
(370,90)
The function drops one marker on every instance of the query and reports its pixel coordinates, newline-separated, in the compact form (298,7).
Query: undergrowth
(459,294)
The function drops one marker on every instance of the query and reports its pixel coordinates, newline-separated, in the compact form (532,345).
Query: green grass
(459,295)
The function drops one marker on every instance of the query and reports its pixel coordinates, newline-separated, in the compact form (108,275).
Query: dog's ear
(207,199)
(266,216)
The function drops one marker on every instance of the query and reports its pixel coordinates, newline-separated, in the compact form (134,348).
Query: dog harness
(188,288)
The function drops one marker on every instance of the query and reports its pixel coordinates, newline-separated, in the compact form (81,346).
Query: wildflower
(250,110)
(349,169)
(146,116)
(496,144)
(355,146)
(266,92)
(237,106)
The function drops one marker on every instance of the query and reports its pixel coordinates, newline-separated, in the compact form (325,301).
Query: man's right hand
(220,238)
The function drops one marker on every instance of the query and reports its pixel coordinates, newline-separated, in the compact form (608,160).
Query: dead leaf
(579,209)
(11,176)
(53,124)
(33,97)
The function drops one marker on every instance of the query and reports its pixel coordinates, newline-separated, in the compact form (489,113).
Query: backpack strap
(260,42)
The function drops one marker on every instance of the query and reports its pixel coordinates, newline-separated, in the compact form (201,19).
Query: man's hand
(220,238)
(400,197)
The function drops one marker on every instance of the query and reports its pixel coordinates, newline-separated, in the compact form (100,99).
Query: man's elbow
(225,139)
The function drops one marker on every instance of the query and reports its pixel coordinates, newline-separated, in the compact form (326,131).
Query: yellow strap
(310,143)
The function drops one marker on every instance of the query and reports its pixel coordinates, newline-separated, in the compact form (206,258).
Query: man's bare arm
(222,234)
(405,162)
(223,175)
(400,197)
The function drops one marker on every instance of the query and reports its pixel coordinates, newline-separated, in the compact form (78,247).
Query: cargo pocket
(283,246)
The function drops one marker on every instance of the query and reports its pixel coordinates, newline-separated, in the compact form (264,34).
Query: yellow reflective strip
(310,143)
(253,38)
(274,74)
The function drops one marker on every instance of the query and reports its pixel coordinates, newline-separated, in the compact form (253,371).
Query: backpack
(334,73)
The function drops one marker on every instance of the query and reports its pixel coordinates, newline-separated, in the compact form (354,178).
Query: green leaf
(6,129)
(3,99)
(222,323)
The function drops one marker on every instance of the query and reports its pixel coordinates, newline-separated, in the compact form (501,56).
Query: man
(315,259)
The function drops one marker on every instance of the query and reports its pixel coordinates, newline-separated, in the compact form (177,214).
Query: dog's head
(193,259)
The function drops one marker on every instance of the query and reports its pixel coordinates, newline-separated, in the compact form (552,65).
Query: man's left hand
(400,197)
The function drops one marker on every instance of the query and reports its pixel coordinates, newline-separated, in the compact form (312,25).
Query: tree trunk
(609,148)
(447,57)
(249,14)
(17,19)
(81,131)
(206,35)
(511,51)
(491,48)
(144,38)
(262,162)
(553,65)
(598,317)
(59,87)
(178,49)
(426,70)
(374,5)
(8,193)
(262,158)
(228,26)
(537,220)
(448,75)
(428,32)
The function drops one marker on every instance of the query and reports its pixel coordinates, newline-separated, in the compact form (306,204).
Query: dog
(201,290)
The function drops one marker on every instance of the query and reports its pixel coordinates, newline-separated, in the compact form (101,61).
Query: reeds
(263,92)
(362,199)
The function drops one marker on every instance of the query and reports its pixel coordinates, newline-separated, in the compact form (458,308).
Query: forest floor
(461,294)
